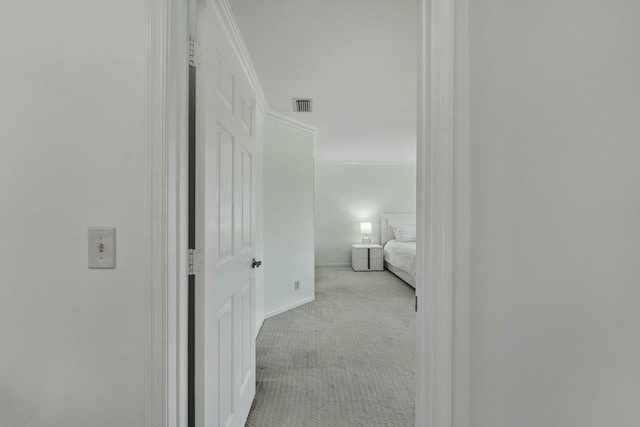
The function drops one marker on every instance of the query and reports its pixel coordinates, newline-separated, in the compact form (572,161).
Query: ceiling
(357,59)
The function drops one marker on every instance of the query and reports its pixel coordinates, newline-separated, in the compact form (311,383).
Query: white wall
(555,213)
(73,154)
(347,194)
(288,216)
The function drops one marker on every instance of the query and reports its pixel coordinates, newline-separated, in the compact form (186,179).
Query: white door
(225,218)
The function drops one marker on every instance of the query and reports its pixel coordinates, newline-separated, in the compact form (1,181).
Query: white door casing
(225,229)
(429,387)
(442,355)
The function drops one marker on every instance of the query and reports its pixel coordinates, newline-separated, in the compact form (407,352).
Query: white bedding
(401,255)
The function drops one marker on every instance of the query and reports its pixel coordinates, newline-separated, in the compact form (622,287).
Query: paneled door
(225,219)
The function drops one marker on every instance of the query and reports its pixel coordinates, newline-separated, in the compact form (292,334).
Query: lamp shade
(365,228)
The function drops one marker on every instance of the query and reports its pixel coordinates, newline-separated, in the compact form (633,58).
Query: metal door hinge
(190,262)
(416,303)
(193,261)
(195,52)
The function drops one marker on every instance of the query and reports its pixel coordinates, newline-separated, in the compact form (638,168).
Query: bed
(399,254)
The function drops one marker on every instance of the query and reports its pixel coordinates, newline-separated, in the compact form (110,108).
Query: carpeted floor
(346,359)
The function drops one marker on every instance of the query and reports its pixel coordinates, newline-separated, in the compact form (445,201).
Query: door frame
(166,385)
(442,327)
(443,201)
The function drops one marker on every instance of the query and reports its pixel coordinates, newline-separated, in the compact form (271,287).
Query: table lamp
(365,228)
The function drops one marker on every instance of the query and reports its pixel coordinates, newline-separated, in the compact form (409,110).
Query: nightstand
(366,258)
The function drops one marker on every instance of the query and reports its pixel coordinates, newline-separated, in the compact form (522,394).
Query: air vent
(302,105)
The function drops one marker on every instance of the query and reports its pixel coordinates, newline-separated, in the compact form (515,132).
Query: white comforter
(401,255)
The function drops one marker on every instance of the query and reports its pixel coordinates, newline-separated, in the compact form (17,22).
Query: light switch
(102,247)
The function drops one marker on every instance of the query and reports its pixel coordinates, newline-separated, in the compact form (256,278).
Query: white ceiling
(357,59)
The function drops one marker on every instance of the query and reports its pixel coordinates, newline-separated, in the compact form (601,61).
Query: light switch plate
(102,247)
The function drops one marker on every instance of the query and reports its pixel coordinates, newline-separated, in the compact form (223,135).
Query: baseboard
(259,328)
(334,264)
(289,307)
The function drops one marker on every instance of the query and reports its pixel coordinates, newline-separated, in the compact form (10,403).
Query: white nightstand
(366,258)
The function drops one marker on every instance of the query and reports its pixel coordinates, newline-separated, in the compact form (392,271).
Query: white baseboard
(259,328)
(334,264)
(289,307)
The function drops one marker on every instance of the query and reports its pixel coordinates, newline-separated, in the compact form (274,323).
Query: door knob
(255,264)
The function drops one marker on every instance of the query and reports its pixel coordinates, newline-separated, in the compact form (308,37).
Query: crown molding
(279,117)
(367,163)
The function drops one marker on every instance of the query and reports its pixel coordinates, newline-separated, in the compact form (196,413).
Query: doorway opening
(433,95)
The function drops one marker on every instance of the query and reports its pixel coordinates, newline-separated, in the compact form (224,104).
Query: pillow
(405,233)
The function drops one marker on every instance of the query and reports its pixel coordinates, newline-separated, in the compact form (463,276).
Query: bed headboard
(387,221)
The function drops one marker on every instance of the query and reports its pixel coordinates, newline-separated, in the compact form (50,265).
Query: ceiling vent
(302,105)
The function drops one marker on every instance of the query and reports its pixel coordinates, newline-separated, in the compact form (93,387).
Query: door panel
(247,116)
(225,363)
(247,196)
(247,336)
(225,83)
(225,194)
(225,227)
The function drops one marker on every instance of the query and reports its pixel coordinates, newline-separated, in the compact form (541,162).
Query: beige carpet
(346,359)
